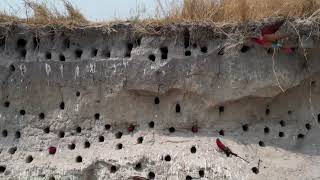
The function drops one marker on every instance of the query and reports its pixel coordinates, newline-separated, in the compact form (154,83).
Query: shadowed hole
(78,159)
(62,57)
(138,166)
(164,53)
(245,49)
(17,135)
(4,133)
(245,127)
(266,130)
(61,105)
(6,104)
(12,150)
(87,144)
(12,68)
(101,139)
(151,175)
(151,124)
(186,35)
(187,53)
(255,170)
(152,57)
(61,134)
(107,127)
(94,52)
(46,130)
(140,140)
(41,116)
(221,109)
(282,123)
(29,159)
(300,136)
(96,116)
(22,112)
(21,43)
(78,53)
(2,169)
(113,169)
(201,173)
(308,126)
(106,53)
(167,158)
(204,49)
(66,43)
(221,132)
(119,146)
(2,40)
(78,129)
(129,49)
(267,111)
(78,93)
(172,129)
(281,134)
(289,112)
(48,55)
(178,108)
(221,51)
(118,135)
(52,178)
(261,143)
(156,100)
(193,149)
(71,146)
(188,178)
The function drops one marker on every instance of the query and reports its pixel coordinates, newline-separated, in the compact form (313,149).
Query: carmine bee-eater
(269,38)
(227,150)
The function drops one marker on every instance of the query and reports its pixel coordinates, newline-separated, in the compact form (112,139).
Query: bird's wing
(270,29)
(221,145)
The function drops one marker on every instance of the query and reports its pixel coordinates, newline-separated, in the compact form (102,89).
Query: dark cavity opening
(66,43)
(101,139)
(138,166)
(289,112)
(186,35)
(300,136)
(78,93)
(167,158)
(281,134)
(188,178)
(41,116)
(267,111)
(94,52)
(138,41)
(245,127)
(187,53)
(61,134)
(261,143)
(164,53)
(29,159)
(78,129)
(36,42)
(78,53)
(46,130)
(119,135)
(22,112)
(2,41)
(23,53)
(308,126)
(151,175)
(62,57)
(4,133)
(78,159)
(48,55)
(193,149)
(156,100)
(21,43)
(17,134)
(140,140)
(221,132)
(178,108)
(87,144)
(52,178)
(172,130)
(151,124)
(12,150)
(266,130)
(255,170)
(119,146)
(6,104)
(204,49)
(72,146)
(113,169)
(2,169)
(194,129)
(12,68)
(107,127)
(61,105)
(221,109)
(245,49)
(313,83)
(129,49)
(318,118)
(282,123)
(201,173)
(152,57)
(96,116)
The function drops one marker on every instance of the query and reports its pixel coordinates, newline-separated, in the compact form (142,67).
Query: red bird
(269,39)
(195,129)
(227,150)
(52,150)
(131,128)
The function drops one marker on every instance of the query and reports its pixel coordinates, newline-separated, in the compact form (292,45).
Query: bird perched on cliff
(269,38)
(227,150)
(52,150)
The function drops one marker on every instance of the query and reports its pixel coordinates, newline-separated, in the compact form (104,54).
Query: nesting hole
(221,109)
(289,112)
(151,124)
(61,105)
(87,144)
(186,35)
(164,53)
(201,173)
(245,49)
(2,169)
(22,112)
(41,116)
(204,49)
(156,100)
(66,43)
(71,146)
(6,104)
(2,41)
(61,134)
(261,144)
(12,150)
(52,178)
(151,175)
(21,43)
(138,166)
(167,158)
(267,111)
(107,127)
(96,116)
(78,53)
(48,55)
(106,53)
(152,57)
(255,170)
(23,53)
(188,178)
(29,159)
(129,49)
(78,93)
(140,140)
(266,130)
(46,130)
(78,159)
(178,108)
(78,129)
(281,134)
(62,57)
(245,127)
(118,135)
(187,53)
(282,123)
(172,129)
(101,139)
(4,133)
(12,68)
(113,169)
(221,132)
(52,150)
(193,149)
(94,52)
(300,136)
(308,126)
(17,135)
(119,146)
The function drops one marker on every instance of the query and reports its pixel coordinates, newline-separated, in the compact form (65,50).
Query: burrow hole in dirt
(23,53)
(255,170)
(289,112)
(12,68)
(245,49)
(300,136)
(21,43)
(221,109)
(46,130)
(6,104)
(48,55)
(152,57)
(41,116)
(61,105)
(140,140)
(167,158)
(2,41)
(2,169)
(188,178)
(187,53)
(101,138)
(78,53)
(261,144)
(138,167)
(17,135)
(318,118)
(78,159)
(113,169)
(22,112)
(29,159)
(221,132)
(308,126)
(106,53)
(128,50)
(178,108)
(151,175)
(78,93)
(61,134)
(107,127)
(282,123)
(266,130)
(118,135)
(97,116)
(193,149)
(138,41)
(87,144)
(35,42)
(267,111)
(164,52)
(12,150)
(4,133)
(186,36)
(71,146)
(66,43)
(172,129)
(151,124)
(62,57)
(94,52)
(201,173)
(204,49)
(245,127)
(313,83)
(119,146)
(156,100)
(52,178)
(78,129)
(281,134)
